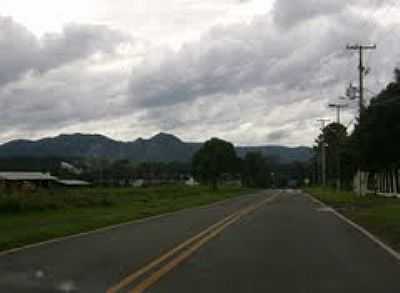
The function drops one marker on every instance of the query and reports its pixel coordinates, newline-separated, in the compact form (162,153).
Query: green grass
(66,212)
(380,215)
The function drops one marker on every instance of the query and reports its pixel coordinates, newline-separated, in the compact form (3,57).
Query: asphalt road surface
(274,241)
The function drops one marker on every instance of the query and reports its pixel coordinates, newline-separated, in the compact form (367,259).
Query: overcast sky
(250,71)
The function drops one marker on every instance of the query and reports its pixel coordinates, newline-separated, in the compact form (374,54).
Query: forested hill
(162,147)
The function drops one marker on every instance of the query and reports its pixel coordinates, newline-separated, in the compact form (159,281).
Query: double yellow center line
(181,252)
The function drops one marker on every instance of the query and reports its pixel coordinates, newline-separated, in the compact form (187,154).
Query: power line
(373,20)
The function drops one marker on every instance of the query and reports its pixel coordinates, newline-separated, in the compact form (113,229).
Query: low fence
(385,182)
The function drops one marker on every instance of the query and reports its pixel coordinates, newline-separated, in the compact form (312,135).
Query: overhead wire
(373,20)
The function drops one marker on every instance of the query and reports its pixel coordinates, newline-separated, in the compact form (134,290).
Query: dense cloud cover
(21,51)
(262,81)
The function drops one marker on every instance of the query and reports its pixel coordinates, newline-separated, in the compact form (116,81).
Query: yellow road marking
(201,239)
(180,258)
(129,279)
(150,281)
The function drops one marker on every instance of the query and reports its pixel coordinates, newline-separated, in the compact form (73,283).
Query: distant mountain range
(162,147)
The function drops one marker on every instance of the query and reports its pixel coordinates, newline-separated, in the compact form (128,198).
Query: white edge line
(116,226)
(359,228)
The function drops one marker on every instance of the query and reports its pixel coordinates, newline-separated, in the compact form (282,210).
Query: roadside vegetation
(379,215)
(217,161)
(213,160)
(57,199)
(372,146)
(43,215)
(34,216)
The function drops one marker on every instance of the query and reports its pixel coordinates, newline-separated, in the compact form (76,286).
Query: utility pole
(323,151)
(362,71)
(338,108)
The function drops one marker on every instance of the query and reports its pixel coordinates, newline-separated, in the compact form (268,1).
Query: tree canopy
(378,136)
(215,158)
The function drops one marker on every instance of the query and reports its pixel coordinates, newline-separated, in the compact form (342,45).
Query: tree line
(372,146)
(217,160)
(215,163)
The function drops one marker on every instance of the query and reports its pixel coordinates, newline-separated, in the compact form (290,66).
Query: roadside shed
(25,180)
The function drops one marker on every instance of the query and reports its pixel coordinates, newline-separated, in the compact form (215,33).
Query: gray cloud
(278,135)
(18,48)
(234,59)
(290,12)
(77,42)
(21,51)
(249,83)
(63,97)
(309,61)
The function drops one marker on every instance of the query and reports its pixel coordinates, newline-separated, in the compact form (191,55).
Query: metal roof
(74,182)
(29,176)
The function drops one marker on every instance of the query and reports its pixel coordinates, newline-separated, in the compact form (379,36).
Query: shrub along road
(269,242)
(47,214)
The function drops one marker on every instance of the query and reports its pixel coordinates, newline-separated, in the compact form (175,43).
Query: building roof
(73,182)
(29,176)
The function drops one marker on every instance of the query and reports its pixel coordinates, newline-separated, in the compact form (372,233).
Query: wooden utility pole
(362,71)
(338,108)
(323,151)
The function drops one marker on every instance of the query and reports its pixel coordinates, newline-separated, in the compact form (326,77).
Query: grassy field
(26,219)
(379,215)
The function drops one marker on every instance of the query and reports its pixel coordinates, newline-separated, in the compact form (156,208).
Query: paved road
(269,242)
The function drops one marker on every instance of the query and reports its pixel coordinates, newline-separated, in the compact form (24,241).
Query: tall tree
(214,158)
(378,137)
(334,139)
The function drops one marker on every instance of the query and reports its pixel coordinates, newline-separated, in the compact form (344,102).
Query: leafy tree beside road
(334,137)
(215,158)
(378,136)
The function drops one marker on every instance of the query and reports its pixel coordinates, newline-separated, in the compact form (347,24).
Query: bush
(16,202)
